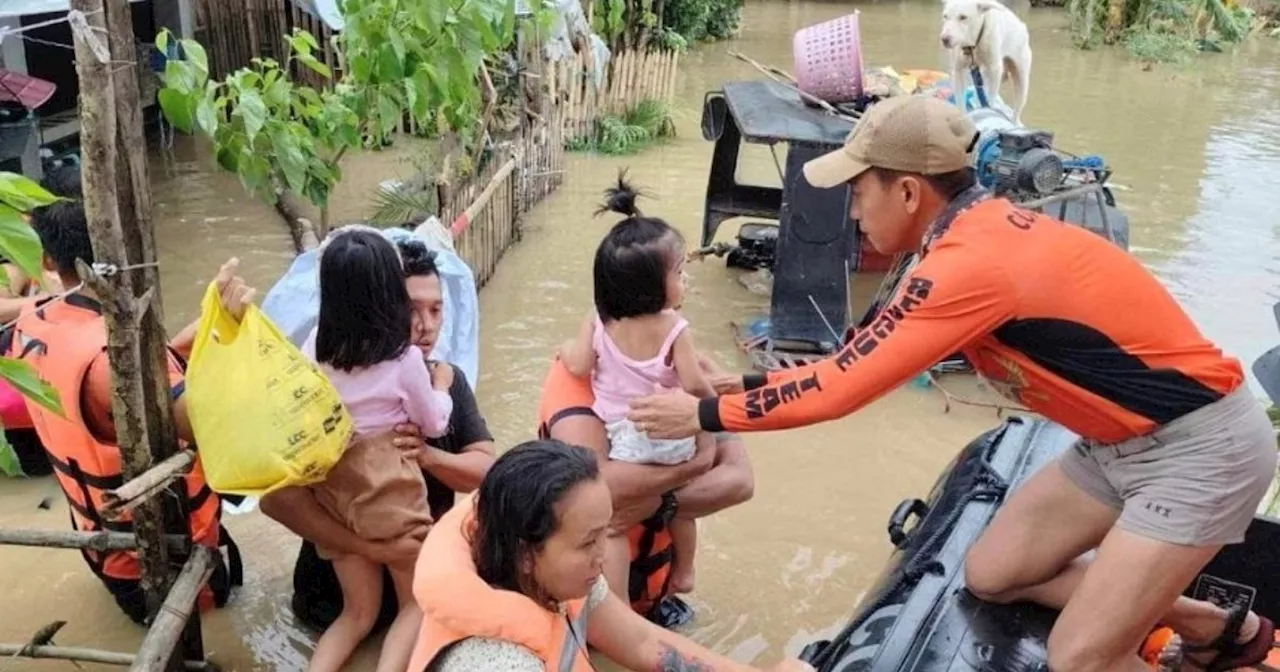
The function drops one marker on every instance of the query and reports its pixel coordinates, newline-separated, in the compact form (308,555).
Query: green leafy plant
(703,20)
(648,122)
(404,58)
(19,243)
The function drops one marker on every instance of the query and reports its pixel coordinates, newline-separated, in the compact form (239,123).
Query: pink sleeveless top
(618,379)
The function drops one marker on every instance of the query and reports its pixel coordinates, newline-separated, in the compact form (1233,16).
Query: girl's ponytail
(621,198)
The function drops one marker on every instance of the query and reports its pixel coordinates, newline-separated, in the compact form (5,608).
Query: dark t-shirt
(317,597)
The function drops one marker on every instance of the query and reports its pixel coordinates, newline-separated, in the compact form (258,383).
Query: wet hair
(516,507)
(63,230)
(417,258)
(365,314)
(64,181)
(948,185)
(633,260)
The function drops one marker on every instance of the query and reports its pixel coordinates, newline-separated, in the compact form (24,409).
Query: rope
(17,32)
(103,270)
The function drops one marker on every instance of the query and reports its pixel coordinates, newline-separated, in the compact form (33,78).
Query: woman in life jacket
(511,579)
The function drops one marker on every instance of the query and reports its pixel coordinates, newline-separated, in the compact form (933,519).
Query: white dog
(989,35)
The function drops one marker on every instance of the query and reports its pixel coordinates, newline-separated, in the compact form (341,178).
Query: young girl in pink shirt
(362,343)
(633,341)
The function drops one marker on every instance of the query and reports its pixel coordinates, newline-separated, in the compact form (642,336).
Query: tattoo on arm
(674,661)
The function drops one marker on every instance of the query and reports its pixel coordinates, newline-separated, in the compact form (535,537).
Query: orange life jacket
(652,553)
(457,604)
(61,341)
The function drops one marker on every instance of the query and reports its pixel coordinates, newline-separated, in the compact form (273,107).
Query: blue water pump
(1021,164)
(1016,160)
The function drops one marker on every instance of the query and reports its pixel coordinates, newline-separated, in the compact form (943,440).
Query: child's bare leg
(361,581)
(397,646)
(684,538)
(617,563)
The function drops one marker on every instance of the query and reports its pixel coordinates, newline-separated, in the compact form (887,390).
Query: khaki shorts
(1196,481)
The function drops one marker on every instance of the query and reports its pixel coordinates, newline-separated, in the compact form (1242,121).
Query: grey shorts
(1196,481)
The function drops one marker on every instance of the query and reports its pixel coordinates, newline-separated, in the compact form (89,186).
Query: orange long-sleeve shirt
(1055,316)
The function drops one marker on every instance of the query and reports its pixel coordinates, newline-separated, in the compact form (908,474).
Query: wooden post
(118,208)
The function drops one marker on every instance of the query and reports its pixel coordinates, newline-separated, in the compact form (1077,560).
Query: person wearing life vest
(1174,454)
(65,342)
(512,578)
(644,495)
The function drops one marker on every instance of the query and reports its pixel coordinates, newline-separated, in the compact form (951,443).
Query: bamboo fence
(565,107)
(633,76)
(489,224)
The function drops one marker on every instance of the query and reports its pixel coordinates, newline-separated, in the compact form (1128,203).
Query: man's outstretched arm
(946,303)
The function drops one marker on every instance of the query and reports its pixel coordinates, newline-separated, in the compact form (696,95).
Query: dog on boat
(987,34)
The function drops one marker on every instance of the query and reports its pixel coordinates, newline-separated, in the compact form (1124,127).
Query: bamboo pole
(88,541)
(252,18)
(463,221)
(86,655)
(116,503)
(162,638)
(675,72)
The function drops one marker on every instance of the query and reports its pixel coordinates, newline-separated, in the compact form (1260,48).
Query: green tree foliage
(668,23)
(19,243)
(405,58)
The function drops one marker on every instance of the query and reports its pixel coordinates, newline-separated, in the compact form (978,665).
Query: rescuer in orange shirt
(1175,452)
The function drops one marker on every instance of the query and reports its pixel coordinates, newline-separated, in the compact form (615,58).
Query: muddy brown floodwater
(1199,148)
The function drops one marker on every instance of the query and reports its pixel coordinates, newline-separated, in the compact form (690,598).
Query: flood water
(1199,148)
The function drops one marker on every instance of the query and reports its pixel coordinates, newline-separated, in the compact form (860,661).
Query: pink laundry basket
(828,59)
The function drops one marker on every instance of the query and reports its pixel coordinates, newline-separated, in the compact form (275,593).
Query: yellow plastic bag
(264,416)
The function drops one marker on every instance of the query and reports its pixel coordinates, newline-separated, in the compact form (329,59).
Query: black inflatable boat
(919,616)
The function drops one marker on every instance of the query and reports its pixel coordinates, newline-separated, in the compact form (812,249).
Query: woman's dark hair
(516,507)
(418,259)
(365,314)
(633,260)
(948,185)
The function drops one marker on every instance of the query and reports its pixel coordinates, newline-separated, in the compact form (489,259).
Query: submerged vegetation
(648,122)
(1167,30)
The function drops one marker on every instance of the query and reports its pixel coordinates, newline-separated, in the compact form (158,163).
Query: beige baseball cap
(913,134)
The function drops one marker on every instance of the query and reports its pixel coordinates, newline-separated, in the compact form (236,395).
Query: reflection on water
(1197,147)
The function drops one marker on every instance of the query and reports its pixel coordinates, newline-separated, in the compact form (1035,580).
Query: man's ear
(48,263)
(912,188)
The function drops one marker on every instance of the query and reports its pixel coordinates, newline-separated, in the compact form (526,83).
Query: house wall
(57,63)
